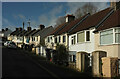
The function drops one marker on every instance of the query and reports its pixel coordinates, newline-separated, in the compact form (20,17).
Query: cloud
(19,16)
(7,24)
(49,18)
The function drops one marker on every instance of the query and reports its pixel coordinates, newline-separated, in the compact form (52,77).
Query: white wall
(85,46)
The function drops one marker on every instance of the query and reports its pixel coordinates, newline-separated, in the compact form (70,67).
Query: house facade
(82,37)
(107,36)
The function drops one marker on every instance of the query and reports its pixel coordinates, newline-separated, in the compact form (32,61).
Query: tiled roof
(44,32)
(29,32)
(58,28)
(92,20)
(71,25)
(112,21)
(18,34)
(32,34)
(23,33)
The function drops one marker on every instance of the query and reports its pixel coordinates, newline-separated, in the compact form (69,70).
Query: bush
(61,55)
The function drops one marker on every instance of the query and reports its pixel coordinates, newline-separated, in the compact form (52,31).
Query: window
(64,39)
(48,39)
(106,37)
(33,38)
(73,40)
(117,35)
(59,39)
(55,39)
(87,35)
(81,37)
(36,38)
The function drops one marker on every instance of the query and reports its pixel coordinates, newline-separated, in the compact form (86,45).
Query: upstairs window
(33,38)
(81,37)
(106,37)
(48,39)
(55,39)
(117,35)
(73,40)
(64,39)
(59,39)
(87,35)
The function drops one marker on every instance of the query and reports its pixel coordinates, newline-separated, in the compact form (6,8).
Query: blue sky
(14,13)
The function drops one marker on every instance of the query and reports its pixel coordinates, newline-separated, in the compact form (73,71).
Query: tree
(87,8)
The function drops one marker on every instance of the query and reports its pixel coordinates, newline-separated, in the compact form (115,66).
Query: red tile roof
(92,20)
(112,21)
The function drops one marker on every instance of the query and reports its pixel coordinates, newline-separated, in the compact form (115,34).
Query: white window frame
(113,36)
(86,35)
(73,39)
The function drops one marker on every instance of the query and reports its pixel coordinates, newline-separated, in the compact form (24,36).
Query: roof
(92,20)
(15,32)
(36,31)
(44,32)
(29,32)
(58,28)
(71,25)
(24,32)
(112,21)
(20,32)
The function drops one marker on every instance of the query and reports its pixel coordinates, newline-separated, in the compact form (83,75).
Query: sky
(46,13)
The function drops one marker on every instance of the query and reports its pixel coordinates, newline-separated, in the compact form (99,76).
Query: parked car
(12,45)
(6,43)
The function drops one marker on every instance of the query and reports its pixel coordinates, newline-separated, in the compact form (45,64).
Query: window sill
(109,44)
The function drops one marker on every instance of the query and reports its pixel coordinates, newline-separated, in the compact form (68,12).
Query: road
(19,64)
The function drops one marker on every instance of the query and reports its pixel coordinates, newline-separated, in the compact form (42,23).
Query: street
(17,64)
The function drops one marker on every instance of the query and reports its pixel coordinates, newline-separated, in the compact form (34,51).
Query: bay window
(111,36)
(106,37)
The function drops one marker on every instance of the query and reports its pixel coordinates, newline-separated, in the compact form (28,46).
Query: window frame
(84,37)
(73,40)
(64,39)
(114,37)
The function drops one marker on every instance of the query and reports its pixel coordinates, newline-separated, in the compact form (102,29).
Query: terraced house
(82,37)
(107,35)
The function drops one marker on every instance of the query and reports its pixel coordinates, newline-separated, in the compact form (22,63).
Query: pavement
(19,64)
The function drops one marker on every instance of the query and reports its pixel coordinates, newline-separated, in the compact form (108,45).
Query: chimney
(20,29)
(28,28)
(41,27)
(6,29)
(16,29)
(3,30)
(70,18)
(114,4)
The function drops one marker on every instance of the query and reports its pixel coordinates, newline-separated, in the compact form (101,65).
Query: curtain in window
(81,37)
